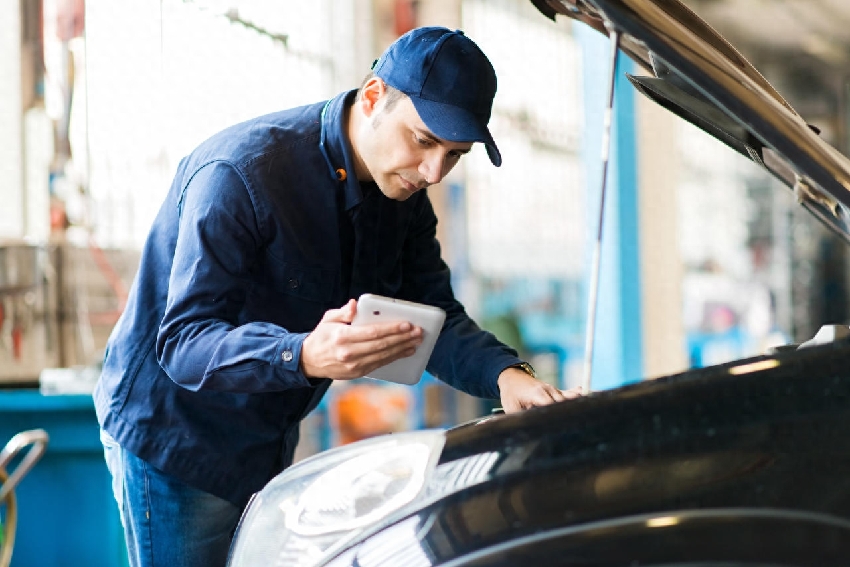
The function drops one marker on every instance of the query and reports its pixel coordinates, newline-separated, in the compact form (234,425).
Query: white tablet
(378,309)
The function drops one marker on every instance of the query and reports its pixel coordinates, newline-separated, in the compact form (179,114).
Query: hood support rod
(593,298)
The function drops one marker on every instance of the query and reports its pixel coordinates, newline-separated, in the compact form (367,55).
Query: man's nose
(431,168)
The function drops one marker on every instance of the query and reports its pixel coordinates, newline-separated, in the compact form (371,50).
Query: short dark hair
(393,94)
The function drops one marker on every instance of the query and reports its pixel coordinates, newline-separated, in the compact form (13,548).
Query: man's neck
(353,121)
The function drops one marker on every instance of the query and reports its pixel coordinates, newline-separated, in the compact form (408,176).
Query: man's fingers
(384,349)
(546,394)
(556,394)
(361,365)
(377,360)
(541,395)
(572,393)
(381,331)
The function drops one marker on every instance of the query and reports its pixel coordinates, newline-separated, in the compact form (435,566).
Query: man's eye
(422,141)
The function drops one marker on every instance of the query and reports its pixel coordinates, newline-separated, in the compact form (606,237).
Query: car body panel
(730,448)
(718,538)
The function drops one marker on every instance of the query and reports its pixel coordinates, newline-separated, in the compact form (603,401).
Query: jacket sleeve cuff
(288,358)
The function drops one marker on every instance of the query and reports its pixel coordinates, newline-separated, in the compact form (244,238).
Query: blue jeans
(166,522)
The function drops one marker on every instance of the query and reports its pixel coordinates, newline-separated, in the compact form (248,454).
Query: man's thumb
(344,314)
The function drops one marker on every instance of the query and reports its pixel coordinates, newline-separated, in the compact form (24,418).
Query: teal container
(67,515)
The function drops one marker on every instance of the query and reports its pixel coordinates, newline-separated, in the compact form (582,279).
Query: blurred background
(706,258)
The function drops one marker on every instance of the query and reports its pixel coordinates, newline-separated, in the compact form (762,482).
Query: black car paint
(751,465)
(716,538)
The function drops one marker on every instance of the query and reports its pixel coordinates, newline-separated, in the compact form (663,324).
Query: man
(233,330)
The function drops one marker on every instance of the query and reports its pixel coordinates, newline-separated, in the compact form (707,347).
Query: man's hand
(521,391)
(337,350)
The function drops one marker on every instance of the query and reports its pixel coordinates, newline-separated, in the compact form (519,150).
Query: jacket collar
(336,148)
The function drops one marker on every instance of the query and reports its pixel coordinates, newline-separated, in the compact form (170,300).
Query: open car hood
(699,76)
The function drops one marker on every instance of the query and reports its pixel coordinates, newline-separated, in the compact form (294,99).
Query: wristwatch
(525,367)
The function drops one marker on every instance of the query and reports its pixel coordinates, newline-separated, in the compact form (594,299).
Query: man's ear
(370,93)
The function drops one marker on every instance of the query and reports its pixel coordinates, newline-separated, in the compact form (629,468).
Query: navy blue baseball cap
(450,81)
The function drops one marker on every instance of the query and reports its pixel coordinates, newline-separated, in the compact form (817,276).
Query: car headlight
(316,506)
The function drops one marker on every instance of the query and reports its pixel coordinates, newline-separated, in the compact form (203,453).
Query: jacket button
(286,355)
(293,283)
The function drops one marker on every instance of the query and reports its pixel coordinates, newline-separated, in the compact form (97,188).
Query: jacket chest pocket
(293,296)
(306,283)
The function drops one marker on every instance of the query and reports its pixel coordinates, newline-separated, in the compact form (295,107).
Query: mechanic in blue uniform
(233,330)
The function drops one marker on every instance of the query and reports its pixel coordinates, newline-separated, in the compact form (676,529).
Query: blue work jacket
(252,245)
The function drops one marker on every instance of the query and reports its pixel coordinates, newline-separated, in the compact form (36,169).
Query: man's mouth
(408,186)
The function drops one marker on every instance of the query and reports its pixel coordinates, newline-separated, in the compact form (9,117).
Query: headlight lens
(318,505)
(361,491)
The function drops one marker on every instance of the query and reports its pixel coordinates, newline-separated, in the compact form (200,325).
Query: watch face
(527,368)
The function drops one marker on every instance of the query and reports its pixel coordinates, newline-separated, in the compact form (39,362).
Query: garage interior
(92,98)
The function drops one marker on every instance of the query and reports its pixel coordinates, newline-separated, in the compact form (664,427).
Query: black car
(741,464)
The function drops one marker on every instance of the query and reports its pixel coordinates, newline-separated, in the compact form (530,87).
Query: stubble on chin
(393,189)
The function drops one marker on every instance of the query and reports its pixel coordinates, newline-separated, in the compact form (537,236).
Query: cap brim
(455,124)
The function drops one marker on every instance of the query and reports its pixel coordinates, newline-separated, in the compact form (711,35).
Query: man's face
(400,152)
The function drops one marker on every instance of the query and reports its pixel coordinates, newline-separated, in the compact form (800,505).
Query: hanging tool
(35,442)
